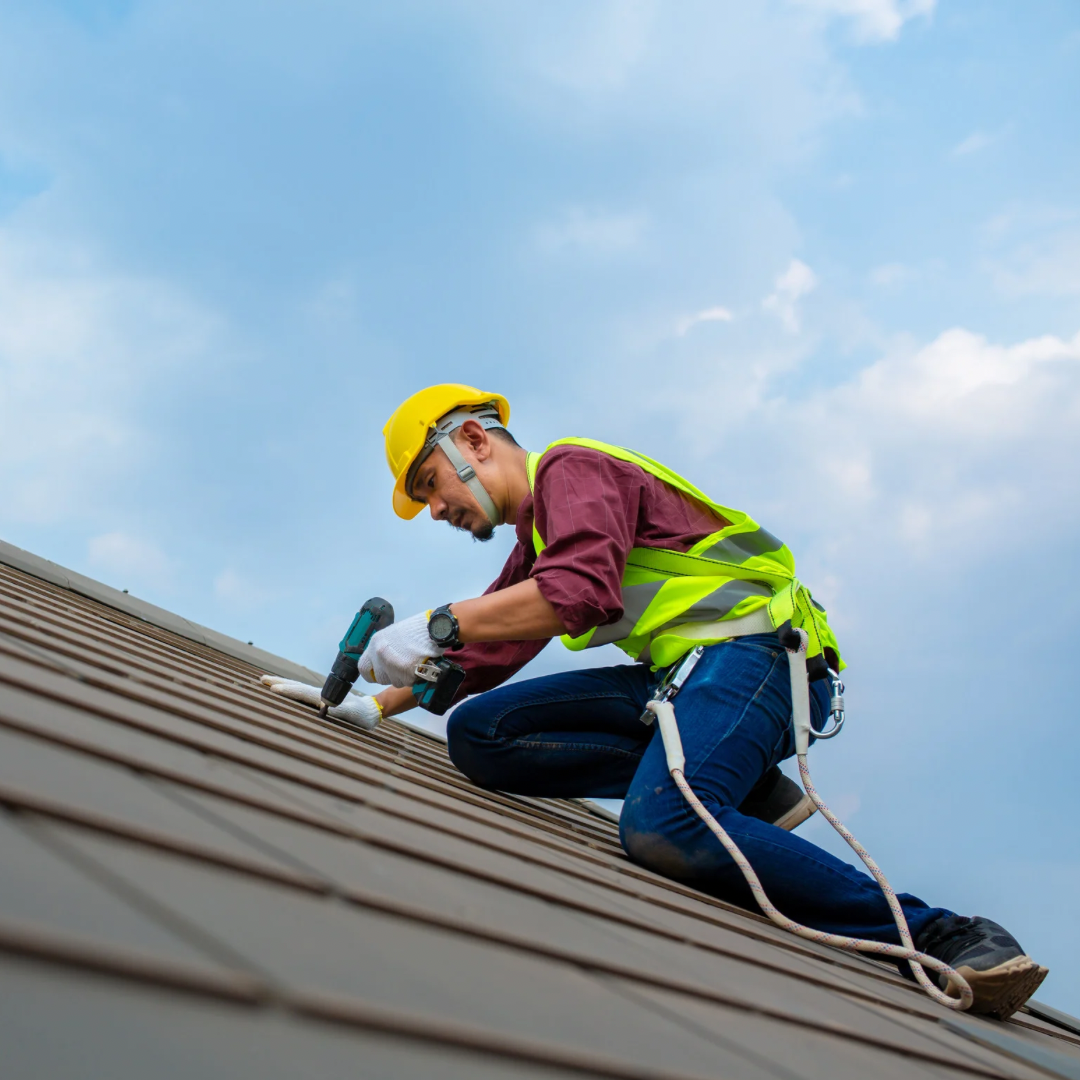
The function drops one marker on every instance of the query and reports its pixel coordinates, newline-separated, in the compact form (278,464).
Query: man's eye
(431,482)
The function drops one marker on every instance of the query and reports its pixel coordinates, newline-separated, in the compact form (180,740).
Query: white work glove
(360,710)
(392,654)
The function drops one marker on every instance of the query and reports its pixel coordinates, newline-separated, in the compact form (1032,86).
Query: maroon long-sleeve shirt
(591,509)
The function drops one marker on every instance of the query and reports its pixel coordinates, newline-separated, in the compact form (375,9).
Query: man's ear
(477,440)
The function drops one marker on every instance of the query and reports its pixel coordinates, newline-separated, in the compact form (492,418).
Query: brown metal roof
(199,879)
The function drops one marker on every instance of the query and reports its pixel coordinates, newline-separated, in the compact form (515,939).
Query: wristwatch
(442,628)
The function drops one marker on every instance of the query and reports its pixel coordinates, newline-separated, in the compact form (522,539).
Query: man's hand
(392,654)
(359,710)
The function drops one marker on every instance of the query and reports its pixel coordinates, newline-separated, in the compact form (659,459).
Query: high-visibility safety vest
(669,597)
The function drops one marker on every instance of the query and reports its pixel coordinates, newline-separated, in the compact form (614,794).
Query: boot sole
(1000,991)
(802,810)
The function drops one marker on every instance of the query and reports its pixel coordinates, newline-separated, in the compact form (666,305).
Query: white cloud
(934,456)
(711,314)
(593,47)
(891,275)
(79,349)
(594,233)
(728,72)
(872,20)
(129,560)
(962,381)
(797,281)
(237,591)
(1047,265)
(976,141)
(929,456)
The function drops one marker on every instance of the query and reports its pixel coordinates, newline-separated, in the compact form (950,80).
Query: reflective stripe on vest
(730,573)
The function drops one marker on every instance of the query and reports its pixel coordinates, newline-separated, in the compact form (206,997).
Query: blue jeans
(578,734)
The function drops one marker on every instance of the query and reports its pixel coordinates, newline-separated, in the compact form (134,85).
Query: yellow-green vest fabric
(731,573)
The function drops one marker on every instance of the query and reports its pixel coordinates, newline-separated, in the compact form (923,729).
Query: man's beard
(482,534)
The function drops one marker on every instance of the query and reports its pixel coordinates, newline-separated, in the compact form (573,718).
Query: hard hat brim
(405,507)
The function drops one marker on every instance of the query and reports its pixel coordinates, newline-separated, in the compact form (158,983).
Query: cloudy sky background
(822,256)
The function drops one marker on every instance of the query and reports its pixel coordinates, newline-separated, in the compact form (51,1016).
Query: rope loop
(959,995)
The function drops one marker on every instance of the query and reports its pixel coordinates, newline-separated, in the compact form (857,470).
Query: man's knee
(469,742)
(654,835)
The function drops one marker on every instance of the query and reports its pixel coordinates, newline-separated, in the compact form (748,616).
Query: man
(613,547)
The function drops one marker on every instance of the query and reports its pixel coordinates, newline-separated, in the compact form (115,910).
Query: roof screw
(125,592)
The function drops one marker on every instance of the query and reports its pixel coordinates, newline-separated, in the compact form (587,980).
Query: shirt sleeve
(586,507)
(488,664)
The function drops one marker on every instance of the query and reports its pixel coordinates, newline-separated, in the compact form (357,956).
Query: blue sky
(821,256)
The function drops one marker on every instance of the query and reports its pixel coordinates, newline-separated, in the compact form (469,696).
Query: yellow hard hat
(409,431)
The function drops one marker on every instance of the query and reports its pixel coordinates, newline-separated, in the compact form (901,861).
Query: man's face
(436,483)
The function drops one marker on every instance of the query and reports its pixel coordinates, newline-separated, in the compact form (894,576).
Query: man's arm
(500,632)
(396,700)
(516,613)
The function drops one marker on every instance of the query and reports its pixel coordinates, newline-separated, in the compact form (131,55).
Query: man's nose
(438,509)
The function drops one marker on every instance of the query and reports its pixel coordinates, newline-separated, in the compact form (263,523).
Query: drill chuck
(340,681)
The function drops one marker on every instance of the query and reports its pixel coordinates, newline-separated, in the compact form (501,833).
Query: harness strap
(757,622)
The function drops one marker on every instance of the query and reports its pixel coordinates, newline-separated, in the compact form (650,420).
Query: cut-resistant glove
(360,710)
(392,654)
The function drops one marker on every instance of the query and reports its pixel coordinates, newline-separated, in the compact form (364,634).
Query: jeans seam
(742,715)
(616,751)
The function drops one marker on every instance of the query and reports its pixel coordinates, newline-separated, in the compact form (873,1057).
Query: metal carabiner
(672,682)
(836,707)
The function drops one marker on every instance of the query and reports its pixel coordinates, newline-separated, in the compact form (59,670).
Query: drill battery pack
(436,685)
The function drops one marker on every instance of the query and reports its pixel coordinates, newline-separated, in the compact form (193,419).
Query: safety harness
(739,581)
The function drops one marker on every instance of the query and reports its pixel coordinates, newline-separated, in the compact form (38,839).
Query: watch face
(441,627)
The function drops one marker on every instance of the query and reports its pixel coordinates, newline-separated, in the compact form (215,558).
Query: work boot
(1001,975)
(777,800)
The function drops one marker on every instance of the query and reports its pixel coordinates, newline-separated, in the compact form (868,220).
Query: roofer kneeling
(613,547)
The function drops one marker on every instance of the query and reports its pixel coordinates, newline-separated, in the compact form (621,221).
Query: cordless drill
(436,681)
(375,615)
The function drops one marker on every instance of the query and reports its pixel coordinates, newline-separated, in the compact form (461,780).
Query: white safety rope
(800,698)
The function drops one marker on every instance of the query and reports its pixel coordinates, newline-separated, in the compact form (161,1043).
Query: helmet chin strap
(467,475)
